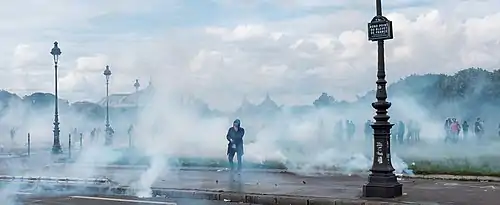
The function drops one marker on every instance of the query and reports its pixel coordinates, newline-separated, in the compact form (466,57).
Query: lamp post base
(383,186)
(108,140)
(56,150)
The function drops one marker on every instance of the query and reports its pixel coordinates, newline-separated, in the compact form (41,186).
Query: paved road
(115,200)
(338,187)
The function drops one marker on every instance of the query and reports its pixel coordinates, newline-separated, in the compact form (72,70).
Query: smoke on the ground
(165,128)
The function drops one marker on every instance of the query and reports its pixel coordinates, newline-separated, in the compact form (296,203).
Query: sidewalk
(222,169)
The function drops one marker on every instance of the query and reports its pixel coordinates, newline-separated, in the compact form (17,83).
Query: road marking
(23,193)
(123,200)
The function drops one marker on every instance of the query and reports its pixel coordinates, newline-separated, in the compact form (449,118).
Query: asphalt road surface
(335,187)
(119,200)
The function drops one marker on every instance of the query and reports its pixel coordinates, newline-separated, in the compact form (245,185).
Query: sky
(223,50)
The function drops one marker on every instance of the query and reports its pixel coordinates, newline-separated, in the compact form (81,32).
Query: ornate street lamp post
(131,128)
(382,182)
(109,130)
(56,146)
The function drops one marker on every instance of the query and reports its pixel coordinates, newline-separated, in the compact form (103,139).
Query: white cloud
(23,56)
(242,32)
(316,51)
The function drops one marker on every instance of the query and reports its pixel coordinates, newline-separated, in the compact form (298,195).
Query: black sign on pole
(379,29)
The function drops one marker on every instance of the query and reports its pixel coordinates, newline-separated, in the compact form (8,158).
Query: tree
(324,100)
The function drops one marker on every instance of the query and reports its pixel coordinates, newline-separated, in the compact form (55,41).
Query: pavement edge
(265,199)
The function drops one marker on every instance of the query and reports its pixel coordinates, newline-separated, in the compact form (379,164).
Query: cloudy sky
(225,49)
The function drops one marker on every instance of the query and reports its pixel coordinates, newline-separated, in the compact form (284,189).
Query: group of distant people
(345,128)
(400,133)
(409,133)
(453,128)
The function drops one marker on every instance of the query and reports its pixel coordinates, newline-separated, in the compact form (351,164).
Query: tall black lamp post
(109,130)
(56,146)
(136,86)
(382,181)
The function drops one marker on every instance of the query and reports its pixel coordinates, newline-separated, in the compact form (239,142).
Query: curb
(252,198)
(267,199)
(257,198)
(142,167)
(453,178)
(281,171)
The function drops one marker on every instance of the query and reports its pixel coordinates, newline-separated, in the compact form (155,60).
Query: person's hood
(237,122)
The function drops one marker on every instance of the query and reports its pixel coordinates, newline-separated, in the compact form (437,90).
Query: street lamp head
(136,84)
(107,72)
(56,51)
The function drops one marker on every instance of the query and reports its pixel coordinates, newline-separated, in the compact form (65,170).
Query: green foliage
(460,167)
(324,100)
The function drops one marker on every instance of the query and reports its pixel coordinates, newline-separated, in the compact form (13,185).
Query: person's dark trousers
(238,151)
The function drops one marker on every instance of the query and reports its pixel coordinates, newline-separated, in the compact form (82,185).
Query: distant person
(465,128)
(410,133)
(401,132)
(455,130)
(350,129)
(235,146)
(13,133)
(447,125)
(368,130)
(417,127)
(394,131)
(478,128)
(130,130)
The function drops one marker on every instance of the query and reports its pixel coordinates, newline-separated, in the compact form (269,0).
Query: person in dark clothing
(447,125)
(351,129)
(394,133)
(235,146)
(130,130)
(13,133)
(401,132)
(410,132)
(368,130)
(478,128)
(417,128)
(465,129)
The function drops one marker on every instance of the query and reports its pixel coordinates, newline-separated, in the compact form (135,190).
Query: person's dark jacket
(235,136)
(478,127)
(401,128)
(465,127)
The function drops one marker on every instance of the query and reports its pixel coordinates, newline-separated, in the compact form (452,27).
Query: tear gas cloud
(167,127)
